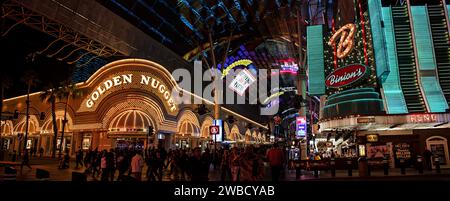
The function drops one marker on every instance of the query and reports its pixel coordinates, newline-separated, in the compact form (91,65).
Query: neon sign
(116,81)
(242,62)
(288,66)
(242,81)
(272,96)
(345,45)
(346,75)
(301,126)
(422,118)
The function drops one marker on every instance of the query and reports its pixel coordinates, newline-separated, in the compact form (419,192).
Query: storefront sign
(402,151)
(422,118)
(346,75)
(366,120)
(121,80)
(214,130)
(372,138)
(219,124)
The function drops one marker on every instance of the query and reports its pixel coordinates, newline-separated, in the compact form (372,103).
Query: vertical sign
(218,137)
(301,127)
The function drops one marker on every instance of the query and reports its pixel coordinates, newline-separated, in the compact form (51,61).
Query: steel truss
(22,15)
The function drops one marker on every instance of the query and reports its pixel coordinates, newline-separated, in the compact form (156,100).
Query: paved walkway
(57,174)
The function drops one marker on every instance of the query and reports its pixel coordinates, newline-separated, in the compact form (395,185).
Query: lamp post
(27,117)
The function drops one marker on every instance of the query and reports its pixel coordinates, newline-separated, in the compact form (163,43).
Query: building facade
(116,107)
(385,88)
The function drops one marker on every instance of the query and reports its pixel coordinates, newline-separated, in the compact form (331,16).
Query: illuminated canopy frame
(248,136)
(47,126)
(6,128)
(235,134)
(188,124)
(207,122)
(33,125)
(131,121)
(98,90)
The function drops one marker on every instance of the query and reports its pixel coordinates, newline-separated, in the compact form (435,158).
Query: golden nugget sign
(155,84)
(345,45)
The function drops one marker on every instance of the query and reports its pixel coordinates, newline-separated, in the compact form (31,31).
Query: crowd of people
(235,164)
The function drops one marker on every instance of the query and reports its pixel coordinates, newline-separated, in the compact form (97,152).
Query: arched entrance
(6,135)
(129,130)
(188,130)
(19,134)
(47,134)
(205,136)
(439,147)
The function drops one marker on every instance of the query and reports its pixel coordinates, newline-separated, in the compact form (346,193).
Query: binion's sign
(346,75)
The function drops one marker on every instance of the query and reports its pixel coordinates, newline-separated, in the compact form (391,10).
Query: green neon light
(350,95)
(349,91)
(392,90)
(378,39)
(426,59)
(315,60)
(353,101)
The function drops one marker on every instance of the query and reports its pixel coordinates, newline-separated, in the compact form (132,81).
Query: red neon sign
(346,75)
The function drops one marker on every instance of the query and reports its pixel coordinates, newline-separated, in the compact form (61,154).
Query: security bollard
(349,168)
(298,170)
(333,167)
(420,164)
(402,166)
(316,170)
(437,164)
(385,166)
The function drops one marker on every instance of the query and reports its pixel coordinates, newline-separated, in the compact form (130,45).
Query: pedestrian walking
(276,159)
(25,161)
(137,162)
(428,162)
(104,166)
(79,158)
(41,152)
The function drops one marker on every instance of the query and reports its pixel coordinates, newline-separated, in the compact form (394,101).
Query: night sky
(15,46)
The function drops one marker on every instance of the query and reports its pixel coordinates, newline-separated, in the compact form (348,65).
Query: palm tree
(67,91)
(30,78)
(49,96)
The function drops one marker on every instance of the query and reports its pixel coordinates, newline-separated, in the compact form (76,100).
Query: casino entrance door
(129,130)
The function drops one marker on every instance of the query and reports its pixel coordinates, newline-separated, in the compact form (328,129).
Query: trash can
(42,174)
(79,177)
(10,174)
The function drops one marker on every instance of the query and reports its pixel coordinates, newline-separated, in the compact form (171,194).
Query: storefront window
(6,143)
(58,143)
(29,143)
(439,150)
(86,143)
